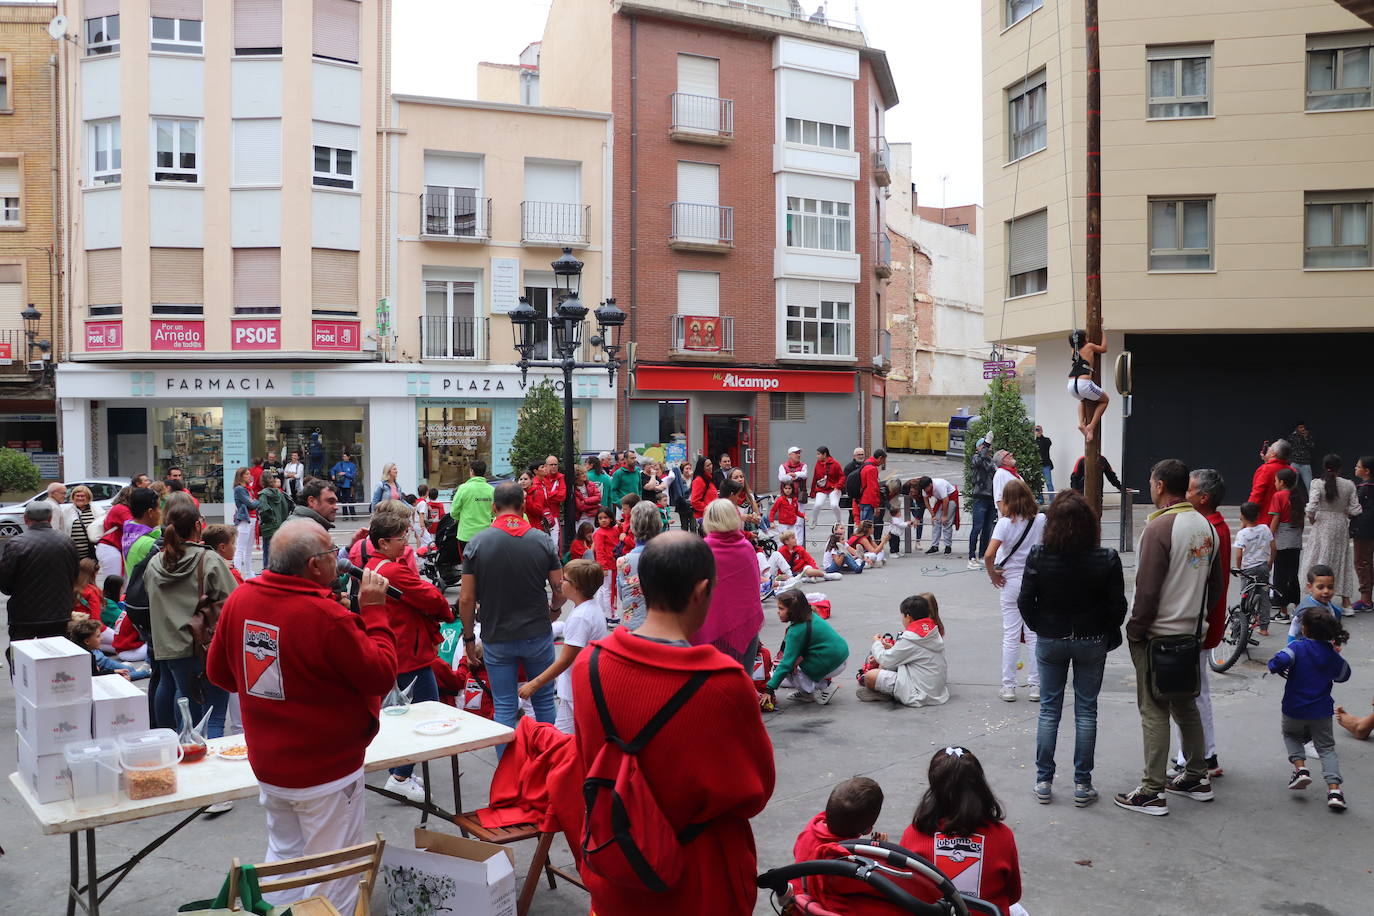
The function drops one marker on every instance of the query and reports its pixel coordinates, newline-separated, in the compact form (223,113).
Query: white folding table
(216,779)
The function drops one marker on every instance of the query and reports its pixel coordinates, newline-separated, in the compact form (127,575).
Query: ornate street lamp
(31,317)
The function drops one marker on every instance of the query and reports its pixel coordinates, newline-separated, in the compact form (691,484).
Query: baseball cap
(795,448)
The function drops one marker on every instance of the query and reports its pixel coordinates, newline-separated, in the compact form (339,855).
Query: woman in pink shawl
(736,615)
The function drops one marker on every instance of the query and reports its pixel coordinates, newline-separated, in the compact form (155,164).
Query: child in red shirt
(958,827)
(582,542)
(850,813)
(787,513)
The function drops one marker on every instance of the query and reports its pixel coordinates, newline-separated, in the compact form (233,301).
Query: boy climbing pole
(1093,400)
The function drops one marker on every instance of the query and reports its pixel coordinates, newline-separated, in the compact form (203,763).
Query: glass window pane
(1320,225)
(1356,68)
(190,30)
(808,206)
(164,136)
(842,311)
(792,240)
(843,347)
(164,28)
(841,137)
(842,210)
(436,299)
(1194,76)
(828,234)
(827,339)
(826,134)
(842,242)
(1195,229)
(1354,224)
(1161,79)
(322,159)
(793,203)
(827,207)
(112,28)
(794,331)
(827,310)
(188,138)
(101,157)
(793,130)
(809,132)
(1163,225)
(1321,69)
(345,161)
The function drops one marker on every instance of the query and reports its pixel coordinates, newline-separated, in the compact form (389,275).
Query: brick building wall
(910,316)
(964,217)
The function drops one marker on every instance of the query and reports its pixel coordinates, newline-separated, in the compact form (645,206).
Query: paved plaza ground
(1257,849)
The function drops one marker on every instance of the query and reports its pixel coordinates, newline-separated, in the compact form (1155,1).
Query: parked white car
(103,489)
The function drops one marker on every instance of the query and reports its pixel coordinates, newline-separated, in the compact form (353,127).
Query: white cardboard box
(45,774)
(48,729)
(51,670)
(451,874)
(117,706)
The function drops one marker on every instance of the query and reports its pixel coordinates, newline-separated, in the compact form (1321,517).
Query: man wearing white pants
(307,822)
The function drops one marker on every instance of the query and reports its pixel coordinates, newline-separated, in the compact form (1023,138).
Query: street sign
(999,368)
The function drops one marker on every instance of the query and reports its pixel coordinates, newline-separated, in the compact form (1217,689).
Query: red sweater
(1262,486)
(89,602)
(578,549)
(703,492)
(588,502)
(868,476)
(126,638)
(984,864)
(536,509)
(828,475)
(1216,615)
(798,558)
(114,525)
(555,491)
(638,677)
(839,895)
(605,542)
(785,511)
(310,676)
(415,616)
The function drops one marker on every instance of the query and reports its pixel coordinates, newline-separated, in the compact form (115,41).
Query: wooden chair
(363,859)
(469,825)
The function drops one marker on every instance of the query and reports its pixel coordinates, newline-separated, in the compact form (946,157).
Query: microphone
(347,568)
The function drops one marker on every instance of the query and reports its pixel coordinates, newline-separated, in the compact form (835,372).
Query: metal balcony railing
(14,352)
(442,337)
(455,213)
(703,114)
(704,333)
(703,224)
(882,162)
(555,223)
(882,254)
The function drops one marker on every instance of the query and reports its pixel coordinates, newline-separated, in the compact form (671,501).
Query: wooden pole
(1092,450)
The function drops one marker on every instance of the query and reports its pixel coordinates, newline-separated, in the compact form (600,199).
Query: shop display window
(451,438)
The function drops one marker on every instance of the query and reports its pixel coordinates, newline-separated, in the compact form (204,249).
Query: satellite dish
(58,28)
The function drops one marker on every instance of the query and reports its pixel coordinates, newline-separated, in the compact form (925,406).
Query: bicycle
(1241,622)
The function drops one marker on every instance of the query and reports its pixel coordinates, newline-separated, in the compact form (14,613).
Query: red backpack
(626,838)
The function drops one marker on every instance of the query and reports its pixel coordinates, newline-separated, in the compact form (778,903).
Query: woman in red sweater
(536,510)
(415,619)
(587,498)
(703,488)
(639,672)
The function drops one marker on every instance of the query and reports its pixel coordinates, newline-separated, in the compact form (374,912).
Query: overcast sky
(933,47)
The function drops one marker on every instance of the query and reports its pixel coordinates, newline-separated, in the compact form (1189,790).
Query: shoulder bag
(203,621)
(1172,662)
(1001,564)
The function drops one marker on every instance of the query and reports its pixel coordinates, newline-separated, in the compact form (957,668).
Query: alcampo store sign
(682,378)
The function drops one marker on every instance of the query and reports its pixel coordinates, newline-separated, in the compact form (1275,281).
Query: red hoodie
(984,864)
(868,477)
(310,676)
(785,511)
(798,558)
(555,491)
(839,895)
(1216,615)
(536,508)
(828,475)
(638,677)
(415,616)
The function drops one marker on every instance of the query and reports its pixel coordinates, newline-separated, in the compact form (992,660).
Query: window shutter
(1034,81)
(698,75)
(104,277)
(453,171)
(94,8)
(801,293)
(1335,41)
(178,276)
(1176,52)
(552,182)
(817,97)
(257,278)
(698,293)
(9,177)
(336,136)
(11,303)
(175,9)
(257,151)
(698,183)
(334,279)
(1027,244)
(837,292)
(336,29)
(257,24)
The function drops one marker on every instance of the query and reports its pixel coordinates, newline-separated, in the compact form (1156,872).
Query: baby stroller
(875,863)
(440,561)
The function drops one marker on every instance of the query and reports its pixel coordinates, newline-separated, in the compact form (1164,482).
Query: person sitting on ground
(911,668)
(1321,593)
(799,559)
(839,556)
(1254,555)
(850,813)
(1092,399)
(1310,666)
(581,581)
(111,600)
(959,817)
(85,632)
(875,552)
(582,542)
(774,571)
(812,654)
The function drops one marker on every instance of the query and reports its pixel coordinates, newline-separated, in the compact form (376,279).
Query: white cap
(795,448)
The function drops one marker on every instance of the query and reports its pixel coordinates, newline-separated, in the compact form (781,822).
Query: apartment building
(486,194)
(1237,173)
(224,211)
(30,291)
(750,172)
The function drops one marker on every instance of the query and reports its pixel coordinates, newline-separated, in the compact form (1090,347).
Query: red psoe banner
(335,335)
(177,335)
(255,334)
(104,335)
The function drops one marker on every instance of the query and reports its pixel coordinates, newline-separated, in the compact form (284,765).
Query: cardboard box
(48,729)
(117,706)
(448,874)
(51,671)
(44,774)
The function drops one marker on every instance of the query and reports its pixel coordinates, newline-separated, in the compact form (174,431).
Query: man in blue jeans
(981,470)
(505,569)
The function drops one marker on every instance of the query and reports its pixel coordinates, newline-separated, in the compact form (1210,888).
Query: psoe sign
(335,335)
(255,334)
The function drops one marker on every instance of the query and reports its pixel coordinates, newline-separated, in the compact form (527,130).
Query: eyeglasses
(333,551)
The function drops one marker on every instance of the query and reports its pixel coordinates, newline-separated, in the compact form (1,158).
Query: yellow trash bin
(939,437)
(894,436)
(918,437)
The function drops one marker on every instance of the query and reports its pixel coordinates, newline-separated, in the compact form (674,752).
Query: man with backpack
(650,696)
(870,494)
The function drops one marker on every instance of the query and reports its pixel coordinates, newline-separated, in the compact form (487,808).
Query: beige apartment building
(486,194)
(1237,168)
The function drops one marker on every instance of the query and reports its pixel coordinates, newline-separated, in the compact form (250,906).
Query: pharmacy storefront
(210,420)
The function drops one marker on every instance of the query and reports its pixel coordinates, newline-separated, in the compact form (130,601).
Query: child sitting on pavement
(1311,665)
(1321,592)
(850,813)
(911,668)
(85,632)
(800,559)
(839,555)
(1254,554)
(875,552)
(812,653)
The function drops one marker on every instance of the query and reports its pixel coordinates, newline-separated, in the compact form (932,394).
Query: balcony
(882,255)
(702,119)
(702,227)
(453,213)
(703,337)
(882,163)
(14,353)
(543,223)
(442,337)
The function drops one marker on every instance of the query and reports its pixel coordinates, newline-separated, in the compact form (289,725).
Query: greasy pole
(1092,449)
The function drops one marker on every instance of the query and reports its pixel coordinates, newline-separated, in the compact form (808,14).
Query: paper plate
(233,752)
(437,727)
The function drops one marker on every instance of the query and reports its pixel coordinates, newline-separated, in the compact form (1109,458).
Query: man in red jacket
(555,487)
(870,497)
(639,672)
(827,484)
(1262,485)
(310,676)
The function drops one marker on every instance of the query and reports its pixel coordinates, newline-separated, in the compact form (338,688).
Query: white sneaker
(411,788)
(825,696)
(974,564)
(830,577)
(220,807)
(1008,694)
(1034,695)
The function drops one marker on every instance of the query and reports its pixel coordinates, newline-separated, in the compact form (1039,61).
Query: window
(178,281)
(1181,234)
(105,151)
(10,192)
(104,280)
(257,152)
(5,84)
(541,299)
(257,27)
(450,320)
(102,35)
(177,146)
(1338,71)
(177,36)
(1020,9)
(821,224)
(1028,255)
(816,133)
(1338,229)
(336,30)
(334,281)
(1026,116)
(787,407)
(333,167)
(822,330)
(9,211)
(257,281)
(1180,81)
(12,295)
(698,293)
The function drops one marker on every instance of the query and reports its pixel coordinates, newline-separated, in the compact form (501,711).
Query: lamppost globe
(567,272)
(522,319)
(567,325)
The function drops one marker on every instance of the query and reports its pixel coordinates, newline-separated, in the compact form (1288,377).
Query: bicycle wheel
(1234,640)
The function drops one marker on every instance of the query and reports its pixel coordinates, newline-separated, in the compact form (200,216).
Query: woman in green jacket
(596,473)
(274,508)
(813,654)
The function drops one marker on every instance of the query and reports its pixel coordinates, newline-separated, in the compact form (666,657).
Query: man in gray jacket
(38,572)
(1178,575)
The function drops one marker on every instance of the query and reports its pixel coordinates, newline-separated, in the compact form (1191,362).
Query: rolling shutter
(9,178)
(1337,41)
(11,301)
(336,29)
(104,277)
(178,276)
(95,8)
(698,292)
(175,9)
(257,278)
(817,97)
(257,151)
(334,279)
(335,136)
(698,183)
(257,24)
(1027,244)
(698,75)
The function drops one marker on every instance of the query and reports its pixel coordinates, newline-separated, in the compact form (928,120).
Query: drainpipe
(634,211)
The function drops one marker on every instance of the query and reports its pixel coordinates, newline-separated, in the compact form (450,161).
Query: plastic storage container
(149,760)
(94,768)
(918,437)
